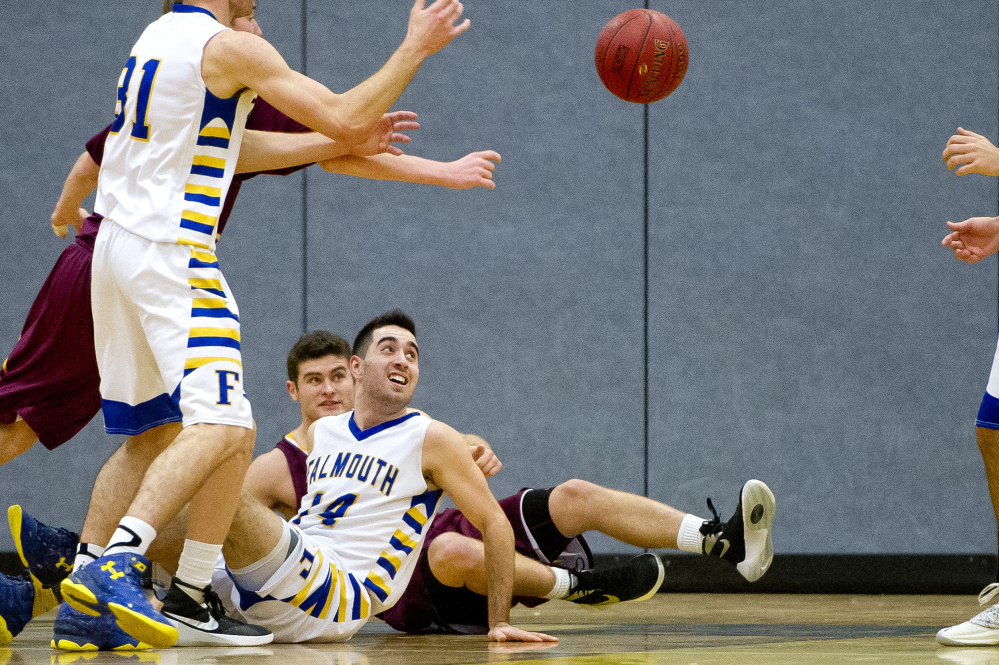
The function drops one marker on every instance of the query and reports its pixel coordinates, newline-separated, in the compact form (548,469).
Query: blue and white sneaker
(113,585)
(76,631)
(21,601)
(47,552)
(745,540)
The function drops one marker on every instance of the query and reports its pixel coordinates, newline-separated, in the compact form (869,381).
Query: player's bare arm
(483,454)
(270,151)
(269,481)
(234,61)
(473,170)
(448,465)
(82,180)
(969,152)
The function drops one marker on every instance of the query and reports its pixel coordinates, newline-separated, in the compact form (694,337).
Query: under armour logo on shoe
(62,564)
(109,566)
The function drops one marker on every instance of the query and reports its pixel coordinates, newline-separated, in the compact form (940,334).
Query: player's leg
(268,558)
(577,506)
(983,628)
(117,484)
(15,439)
(459,561)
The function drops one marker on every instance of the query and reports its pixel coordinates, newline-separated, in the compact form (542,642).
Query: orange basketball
(641,55)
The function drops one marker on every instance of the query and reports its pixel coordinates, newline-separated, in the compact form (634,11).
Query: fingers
(401,115)
(60,229)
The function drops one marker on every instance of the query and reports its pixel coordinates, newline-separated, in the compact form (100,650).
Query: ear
(292,390)
(355,364)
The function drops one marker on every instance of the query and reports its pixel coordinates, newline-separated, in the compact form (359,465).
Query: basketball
(641,55)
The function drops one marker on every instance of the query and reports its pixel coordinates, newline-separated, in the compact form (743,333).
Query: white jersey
(368,500)
(172,151)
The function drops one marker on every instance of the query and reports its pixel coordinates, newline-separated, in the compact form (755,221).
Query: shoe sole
(192,637)
(758,508)
(659,581)
(985,638)
(67,644)
(80,598)
(15,520)
(137,625)
(154,633)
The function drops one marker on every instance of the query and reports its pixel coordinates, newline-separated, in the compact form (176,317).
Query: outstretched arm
(971,153)
(973,239)
(235,60)
(448,464)
(473,170)
(272,151)
(82,180)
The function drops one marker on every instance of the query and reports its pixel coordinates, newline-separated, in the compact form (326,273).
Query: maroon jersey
(296,458)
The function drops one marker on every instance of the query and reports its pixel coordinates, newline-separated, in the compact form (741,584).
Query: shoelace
(714,525)
(213,602)
(988,593)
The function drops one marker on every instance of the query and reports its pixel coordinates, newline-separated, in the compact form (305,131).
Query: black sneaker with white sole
(745,540)
(207,624)
(638,579)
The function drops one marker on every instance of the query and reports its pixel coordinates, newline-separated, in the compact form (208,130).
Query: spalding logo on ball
(641,55)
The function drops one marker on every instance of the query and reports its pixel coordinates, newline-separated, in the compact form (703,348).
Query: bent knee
(577,491)
(452,557)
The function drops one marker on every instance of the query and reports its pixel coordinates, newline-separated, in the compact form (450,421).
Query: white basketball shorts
(166,329)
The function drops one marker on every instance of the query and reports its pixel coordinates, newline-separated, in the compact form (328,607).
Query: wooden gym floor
(687,629)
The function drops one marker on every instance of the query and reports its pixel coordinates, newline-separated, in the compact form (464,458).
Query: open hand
(385,132)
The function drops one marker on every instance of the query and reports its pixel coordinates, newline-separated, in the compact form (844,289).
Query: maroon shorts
(429,606)
(50,378)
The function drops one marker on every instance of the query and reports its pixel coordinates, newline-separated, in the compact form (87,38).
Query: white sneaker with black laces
(204,625)
(980,630)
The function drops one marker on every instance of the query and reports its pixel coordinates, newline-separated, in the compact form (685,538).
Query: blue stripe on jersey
(216,292)
(361,435)
(988,413)
(194,263)
(377,590)
(195,226)
(212,341)
(200,198)
(355,612)
(133,419)
(214,141)
(388,566)
(181,8)
(213,313)
(210,171)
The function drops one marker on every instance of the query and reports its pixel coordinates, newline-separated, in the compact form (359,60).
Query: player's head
(386,360)
(240,23)
(318,375)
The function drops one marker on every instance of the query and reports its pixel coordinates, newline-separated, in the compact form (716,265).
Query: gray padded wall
(804,325)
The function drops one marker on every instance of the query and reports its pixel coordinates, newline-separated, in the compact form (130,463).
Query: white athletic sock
(563,583)
(196,565)
(132,535)
(689,538)
(254,576)
(86,553)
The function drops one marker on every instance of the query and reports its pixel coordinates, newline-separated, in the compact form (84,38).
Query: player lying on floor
(447,589)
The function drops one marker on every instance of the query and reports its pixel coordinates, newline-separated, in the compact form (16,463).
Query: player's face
(247,24)
(391,366)
(324,387)
(242,8)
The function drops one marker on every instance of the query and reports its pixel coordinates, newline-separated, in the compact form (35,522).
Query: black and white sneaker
(638,579)
(745,540)
(202,625)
